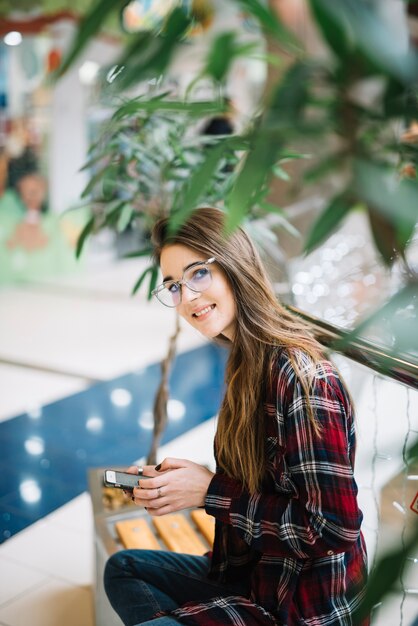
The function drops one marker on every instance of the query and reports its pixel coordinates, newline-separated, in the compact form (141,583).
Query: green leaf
(290,98)
(335,29)
(159,104)
(96,159)
(112,212)
(125,217)
(150,55)
(224,50)
(400,101)
(280,173)
(220,56)
(266,142)
(141,279)
(83,236)
(380,188)
(262,235)
(139,253)
(109,181)
(89,27)
(372,36)
(133,105)
(252,177)
(185,204)
(412,453)
(325,166)
(384,236)
(92,183)
(390,240)
(271,23)
(280,218)
(328,221)
(405,232)
(271,208)
(152,272)
(396,323)
(385,576)
(285,157)
(234,142)
(152,282)
(270,58)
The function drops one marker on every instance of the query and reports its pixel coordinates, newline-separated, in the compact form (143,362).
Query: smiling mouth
(204,311)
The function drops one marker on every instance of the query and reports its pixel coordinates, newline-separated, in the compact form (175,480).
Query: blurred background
(86,166)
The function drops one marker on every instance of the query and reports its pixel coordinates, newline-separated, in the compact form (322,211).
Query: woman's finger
(155,503)
(149,492)
(149,470)
(163,510)
(170,464)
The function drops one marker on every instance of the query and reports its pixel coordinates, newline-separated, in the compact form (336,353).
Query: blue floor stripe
(45,456)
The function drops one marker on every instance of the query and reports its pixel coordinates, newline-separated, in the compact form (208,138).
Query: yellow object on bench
(136,533)
(172,532)
(205,523)
(178,535)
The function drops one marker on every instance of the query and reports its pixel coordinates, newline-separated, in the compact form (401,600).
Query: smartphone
(122,480)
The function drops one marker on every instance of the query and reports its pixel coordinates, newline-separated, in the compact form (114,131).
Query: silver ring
(140,470)
(159,492)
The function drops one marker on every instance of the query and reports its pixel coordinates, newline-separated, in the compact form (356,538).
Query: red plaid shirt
(298,541)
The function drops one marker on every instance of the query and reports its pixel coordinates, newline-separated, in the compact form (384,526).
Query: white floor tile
(16,579)
(37,388)
(195,445)
(53,603)
(97,338)
(53,550)
(75,515)
(111,277)
(396,610)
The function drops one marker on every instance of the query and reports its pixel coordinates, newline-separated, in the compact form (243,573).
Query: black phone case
(131,480)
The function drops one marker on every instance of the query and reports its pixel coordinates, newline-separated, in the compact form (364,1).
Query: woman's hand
(178,484)
(147,470)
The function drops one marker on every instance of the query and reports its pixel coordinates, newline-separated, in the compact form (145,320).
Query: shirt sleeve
(318,513)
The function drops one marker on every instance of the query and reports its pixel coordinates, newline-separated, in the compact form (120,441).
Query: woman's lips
(203,312)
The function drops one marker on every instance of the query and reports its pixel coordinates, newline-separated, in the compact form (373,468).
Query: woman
(288,548)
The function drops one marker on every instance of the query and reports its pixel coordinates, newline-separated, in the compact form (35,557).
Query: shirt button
(330,552)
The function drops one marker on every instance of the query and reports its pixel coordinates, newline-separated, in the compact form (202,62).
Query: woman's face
(212,312)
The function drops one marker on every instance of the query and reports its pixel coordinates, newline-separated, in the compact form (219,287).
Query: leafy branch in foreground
(149,163)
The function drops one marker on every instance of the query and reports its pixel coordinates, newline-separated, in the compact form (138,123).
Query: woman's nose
(187,294)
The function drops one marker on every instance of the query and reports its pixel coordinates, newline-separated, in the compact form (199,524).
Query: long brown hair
(263,326)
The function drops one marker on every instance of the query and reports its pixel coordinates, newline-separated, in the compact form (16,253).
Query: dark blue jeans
(139,583)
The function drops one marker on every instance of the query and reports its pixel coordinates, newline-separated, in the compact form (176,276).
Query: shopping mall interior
(81,354)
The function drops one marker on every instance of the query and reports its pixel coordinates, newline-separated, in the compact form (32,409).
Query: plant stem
(161,398)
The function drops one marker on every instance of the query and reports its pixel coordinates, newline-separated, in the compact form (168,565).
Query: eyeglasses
(197,277)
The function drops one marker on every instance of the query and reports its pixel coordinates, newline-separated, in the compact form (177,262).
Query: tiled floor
(82,338)
(46,455)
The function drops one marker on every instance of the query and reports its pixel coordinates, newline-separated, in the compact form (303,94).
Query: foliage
(313,98)
(43,7)
(358,103)
(152,161)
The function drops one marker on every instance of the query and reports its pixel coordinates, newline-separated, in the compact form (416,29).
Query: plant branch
(161,398)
